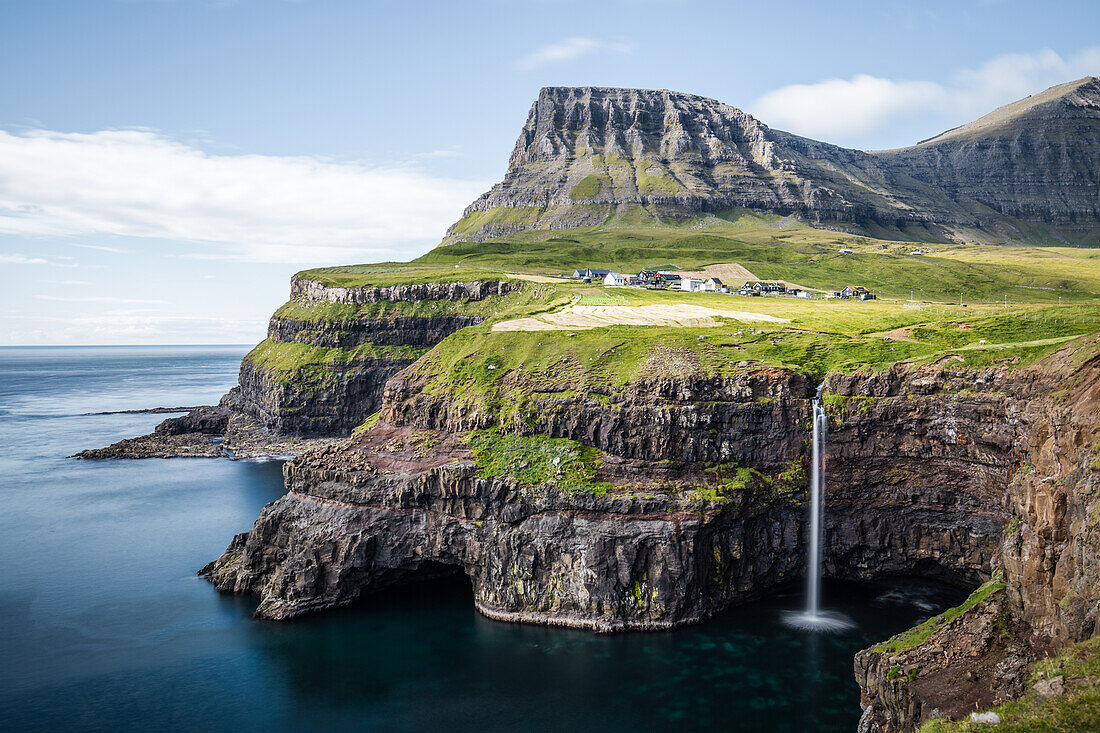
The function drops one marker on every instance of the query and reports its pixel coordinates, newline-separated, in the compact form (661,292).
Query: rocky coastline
(983,477)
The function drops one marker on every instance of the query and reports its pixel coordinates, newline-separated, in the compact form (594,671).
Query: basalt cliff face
(937,470)
(1046,594)
(588,154)
(656,549)
(322,371)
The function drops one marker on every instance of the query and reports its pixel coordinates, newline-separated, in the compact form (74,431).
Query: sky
(167,165)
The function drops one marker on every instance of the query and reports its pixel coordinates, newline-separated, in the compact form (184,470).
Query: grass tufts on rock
(536,460)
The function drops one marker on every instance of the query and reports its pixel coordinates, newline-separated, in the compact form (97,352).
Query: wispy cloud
(101,248)
(129,327)
(570,49)
(140,183)
(98,299)
(14,259)
(63,282)
(860,107)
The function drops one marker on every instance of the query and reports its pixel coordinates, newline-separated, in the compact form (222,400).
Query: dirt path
(536,278)
(583,317)
(899,334)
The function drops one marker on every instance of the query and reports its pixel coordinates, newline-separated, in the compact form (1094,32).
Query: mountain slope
(1036,160)
(589,155)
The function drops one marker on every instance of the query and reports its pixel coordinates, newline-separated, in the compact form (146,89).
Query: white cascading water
(813,618)
(817,486)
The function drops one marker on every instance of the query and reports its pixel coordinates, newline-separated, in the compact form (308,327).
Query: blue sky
(166,165)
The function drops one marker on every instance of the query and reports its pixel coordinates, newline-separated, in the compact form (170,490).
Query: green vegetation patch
(367,424)
(589,187)
(535,460)
(316,365)
(920,634)
(630,237)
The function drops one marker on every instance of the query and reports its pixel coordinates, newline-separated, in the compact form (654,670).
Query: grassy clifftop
(1052,298)
(768,247)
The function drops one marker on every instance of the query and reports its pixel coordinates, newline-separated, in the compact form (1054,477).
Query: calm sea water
(104,626)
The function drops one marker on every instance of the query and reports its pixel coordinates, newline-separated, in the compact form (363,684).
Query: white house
(693,285)
(614,278)
(845,250)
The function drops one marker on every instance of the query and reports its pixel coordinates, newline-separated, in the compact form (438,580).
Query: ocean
(104,624)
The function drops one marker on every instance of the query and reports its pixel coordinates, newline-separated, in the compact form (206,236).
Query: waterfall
(813,618)
(817,511)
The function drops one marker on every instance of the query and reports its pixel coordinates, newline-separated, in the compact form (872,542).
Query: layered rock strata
(337,382)
(1049,594)
(587,154)
(657,549)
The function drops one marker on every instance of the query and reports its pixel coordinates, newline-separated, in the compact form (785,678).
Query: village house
(714,285)
(667,280)
(590,275)
(614,278)
(763,287)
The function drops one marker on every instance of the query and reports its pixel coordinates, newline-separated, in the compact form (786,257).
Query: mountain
(589,155)
(1037,159)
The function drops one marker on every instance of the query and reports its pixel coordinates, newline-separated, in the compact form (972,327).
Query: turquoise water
(104,626)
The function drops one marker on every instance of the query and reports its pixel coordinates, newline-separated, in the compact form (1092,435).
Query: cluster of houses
(663,280)
(653,280)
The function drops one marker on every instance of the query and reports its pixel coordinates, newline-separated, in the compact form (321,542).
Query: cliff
(1035,160)
(694,501)
(589,155)
(330,350)
(678,495)
(1046,594)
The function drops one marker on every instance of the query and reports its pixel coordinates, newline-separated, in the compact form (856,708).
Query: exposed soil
(584,317)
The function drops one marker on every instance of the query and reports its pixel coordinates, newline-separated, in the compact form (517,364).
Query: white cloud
(63,282)
(862,107)
(113,250)
(14,259)
(96,299)
(130,327)
(140,183)
(569,49)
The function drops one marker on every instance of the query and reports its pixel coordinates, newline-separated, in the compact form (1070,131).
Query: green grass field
(1020,303)
(769,247)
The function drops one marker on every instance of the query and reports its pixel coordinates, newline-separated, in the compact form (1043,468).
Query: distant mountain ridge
(587,155)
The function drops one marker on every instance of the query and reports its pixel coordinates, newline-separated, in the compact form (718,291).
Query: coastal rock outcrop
(330,351)
(1045,597)
(378,508)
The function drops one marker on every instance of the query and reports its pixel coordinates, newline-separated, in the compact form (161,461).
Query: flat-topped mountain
(587,155)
